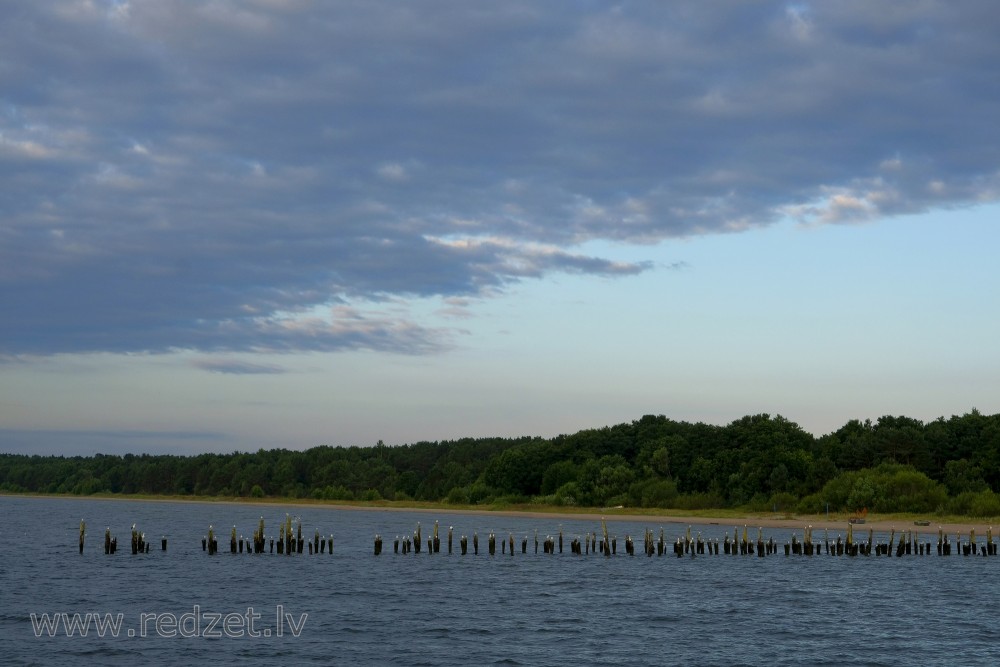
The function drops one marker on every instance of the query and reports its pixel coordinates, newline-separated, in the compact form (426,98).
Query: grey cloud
(198,175)
(76,442)
(237,367)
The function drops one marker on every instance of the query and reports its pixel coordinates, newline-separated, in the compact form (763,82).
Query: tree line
(757,463)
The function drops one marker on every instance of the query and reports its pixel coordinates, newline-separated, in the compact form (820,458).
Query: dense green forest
(758,463)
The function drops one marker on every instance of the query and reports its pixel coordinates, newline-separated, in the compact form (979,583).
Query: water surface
(440,609)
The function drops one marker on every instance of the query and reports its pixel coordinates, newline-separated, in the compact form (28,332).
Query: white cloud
(393,171)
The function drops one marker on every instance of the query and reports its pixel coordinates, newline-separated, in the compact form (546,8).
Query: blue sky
(232,225)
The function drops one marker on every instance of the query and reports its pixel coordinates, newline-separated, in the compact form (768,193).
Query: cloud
(77,442)
(202,175)
(237,367)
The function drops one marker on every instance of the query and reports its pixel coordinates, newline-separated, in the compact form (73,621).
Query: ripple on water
(440,609)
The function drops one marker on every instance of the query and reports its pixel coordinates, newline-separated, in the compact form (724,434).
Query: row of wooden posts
(291,541)
(139,543)
(909,544)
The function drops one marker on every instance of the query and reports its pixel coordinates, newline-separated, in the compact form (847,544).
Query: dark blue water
(355,608)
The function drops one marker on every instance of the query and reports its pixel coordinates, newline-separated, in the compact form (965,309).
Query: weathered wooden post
(107,541)
(475,543)
(463,544)
(258,537)
(492,541)
(450,528)
(83,529)
(378,544)
(560,539)
(416,539)
(524,545)
(437,540)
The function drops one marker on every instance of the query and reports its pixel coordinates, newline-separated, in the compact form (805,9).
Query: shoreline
(950,525)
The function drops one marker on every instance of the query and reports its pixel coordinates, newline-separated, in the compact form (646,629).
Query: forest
(756,463)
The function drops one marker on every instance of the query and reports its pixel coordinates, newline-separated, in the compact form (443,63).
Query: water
(438,609)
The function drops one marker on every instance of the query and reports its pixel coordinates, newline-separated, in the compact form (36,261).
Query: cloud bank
(209,175)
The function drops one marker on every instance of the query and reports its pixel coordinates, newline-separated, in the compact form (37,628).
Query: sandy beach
(616,514)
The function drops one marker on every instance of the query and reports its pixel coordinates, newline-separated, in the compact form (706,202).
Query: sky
(230,225)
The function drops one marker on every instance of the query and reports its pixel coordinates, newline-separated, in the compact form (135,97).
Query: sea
(183,606)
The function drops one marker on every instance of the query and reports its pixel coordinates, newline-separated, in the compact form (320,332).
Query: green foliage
(660,493)
(979,504)
(887,488)
(458,496)
(759,462)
